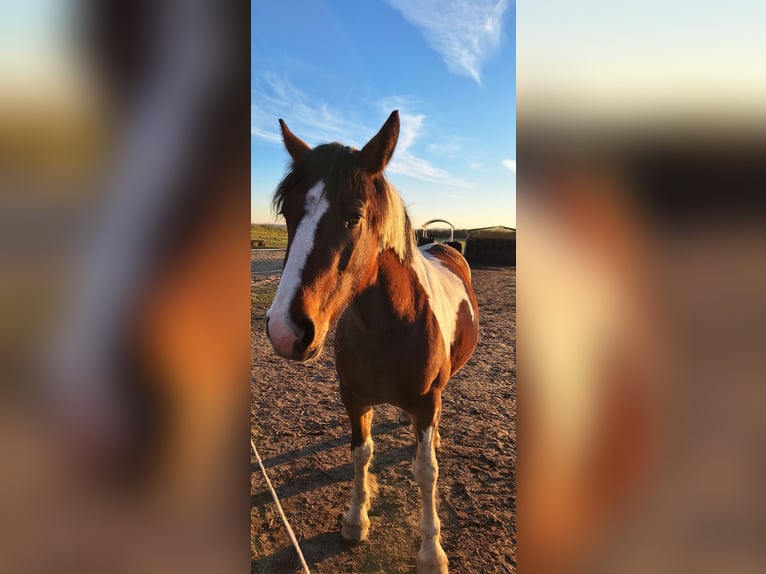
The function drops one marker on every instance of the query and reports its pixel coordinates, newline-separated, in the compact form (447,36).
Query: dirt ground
(302,434)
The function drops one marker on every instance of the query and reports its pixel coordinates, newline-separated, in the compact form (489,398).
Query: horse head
(340,214)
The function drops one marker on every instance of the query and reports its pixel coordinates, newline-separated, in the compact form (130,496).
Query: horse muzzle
(293,341)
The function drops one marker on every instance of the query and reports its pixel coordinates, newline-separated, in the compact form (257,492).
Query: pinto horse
(407,316)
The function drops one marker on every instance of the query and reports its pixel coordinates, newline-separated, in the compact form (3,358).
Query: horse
(407,316)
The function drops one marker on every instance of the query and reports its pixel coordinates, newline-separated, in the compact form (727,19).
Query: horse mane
(395,228)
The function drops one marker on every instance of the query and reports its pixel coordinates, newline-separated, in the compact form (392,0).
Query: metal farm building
(491,246)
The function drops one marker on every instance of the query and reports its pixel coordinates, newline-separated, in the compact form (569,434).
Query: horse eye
(353,221)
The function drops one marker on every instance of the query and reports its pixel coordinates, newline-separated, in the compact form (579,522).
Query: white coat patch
(445,292)
(300,249)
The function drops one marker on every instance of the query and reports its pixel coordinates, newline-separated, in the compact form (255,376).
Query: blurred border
(641,181)
(124,165)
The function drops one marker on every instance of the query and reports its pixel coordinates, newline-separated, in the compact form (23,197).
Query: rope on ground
(281,512)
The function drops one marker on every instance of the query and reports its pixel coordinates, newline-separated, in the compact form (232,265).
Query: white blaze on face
(282,331)
(445,292)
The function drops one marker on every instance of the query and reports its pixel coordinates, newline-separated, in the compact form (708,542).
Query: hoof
(432,559)
(404,418)
(353,534)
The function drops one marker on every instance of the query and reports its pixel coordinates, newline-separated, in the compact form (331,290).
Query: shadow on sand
(319,548)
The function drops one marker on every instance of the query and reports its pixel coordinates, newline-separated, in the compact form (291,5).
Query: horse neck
(389,280)
(390,286)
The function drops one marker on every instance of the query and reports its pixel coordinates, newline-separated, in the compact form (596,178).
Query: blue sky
(334,71)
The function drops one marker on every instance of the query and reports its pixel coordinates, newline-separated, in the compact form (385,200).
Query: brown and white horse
(408,316)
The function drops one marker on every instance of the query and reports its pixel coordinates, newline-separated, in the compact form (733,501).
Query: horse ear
(378,151)
(296,147)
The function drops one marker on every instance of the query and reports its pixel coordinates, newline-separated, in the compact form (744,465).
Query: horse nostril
(267,326)
(308,332)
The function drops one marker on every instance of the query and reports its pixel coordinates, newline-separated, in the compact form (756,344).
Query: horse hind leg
(431,557)
(356,523)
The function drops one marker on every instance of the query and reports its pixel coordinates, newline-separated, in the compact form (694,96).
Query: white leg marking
(445,292)
(356,524)
(431,556)
(282,331)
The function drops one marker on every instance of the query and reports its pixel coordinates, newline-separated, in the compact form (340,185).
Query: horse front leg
(406,419)
(431,556)
(356,523)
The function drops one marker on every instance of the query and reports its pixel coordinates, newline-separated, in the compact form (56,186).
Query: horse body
(407,316)
(388,340)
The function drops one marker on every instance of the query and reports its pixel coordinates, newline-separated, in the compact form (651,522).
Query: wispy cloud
(275,97)
(405,162)
(411,128)
(465,33)
(269,136)
(510,164)
(448,147)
